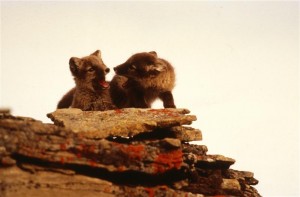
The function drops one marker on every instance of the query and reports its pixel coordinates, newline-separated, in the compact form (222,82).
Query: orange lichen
(150,191)
(92,163)
(118,111)
(62,160)
(78,155)
(121,168)
(108,189)
(199,157)
(133,151)
(63,147)
(163,187)
(70,159)
(167,161)
(80,147)
(164,112)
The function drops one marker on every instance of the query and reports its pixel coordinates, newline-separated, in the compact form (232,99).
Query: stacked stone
(126,152)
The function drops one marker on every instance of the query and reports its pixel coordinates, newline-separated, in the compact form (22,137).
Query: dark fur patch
(141,79)
(91,91)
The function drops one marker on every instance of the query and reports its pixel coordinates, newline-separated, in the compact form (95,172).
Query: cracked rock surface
(127,152)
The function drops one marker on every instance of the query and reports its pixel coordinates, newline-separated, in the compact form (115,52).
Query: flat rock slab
(122,122)
(44,182)
(186,134)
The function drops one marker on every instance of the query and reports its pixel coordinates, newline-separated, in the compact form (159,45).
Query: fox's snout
(119,69)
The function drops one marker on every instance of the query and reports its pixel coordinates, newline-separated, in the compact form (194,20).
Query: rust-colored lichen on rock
(168,161)
(123,152)
(134,152)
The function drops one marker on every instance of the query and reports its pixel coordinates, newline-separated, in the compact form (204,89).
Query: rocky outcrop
(126,152)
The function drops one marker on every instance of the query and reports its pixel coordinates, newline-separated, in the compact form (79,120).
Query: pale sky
(237,66)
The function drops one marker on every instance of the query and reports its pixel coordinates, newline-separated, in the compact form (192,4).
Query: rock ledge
(128,152)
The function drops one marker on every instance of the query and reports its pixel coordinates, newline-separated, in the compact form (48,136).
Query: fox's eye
(91,69)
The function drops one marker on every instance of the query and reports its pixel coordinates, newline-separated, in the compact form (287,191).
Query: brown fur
(141,79)
(91,92)
(66,100)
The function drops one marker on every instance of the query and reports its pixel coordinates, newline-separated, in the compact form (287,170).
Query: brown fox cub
(141,79)
(91,92)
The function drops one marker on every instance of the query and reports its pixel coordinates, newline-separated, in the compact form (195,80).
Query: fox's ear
(74,65)
(156,68)
(160,67)
(153,53)
(97,53)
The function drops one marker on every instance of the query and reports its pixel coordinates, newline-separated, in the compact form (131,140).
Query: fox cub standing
(141,79)
(91,92)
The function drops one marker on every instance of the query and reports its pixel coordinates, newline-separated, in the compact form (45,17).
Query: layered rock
(127,152)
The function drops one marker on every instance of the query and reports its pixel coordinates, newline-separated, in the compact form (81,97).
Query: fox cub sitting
(91,92)
(141,79)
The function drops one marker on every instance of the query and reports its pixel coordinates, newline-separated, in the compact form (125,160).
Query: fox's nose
(107,70)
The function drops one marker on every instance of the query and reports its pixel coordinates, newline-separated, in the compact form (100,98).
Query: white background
(237,66)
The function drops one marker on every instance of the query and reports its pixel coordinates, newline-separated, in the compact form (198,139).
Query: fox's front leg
(138,100)
(167,99)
